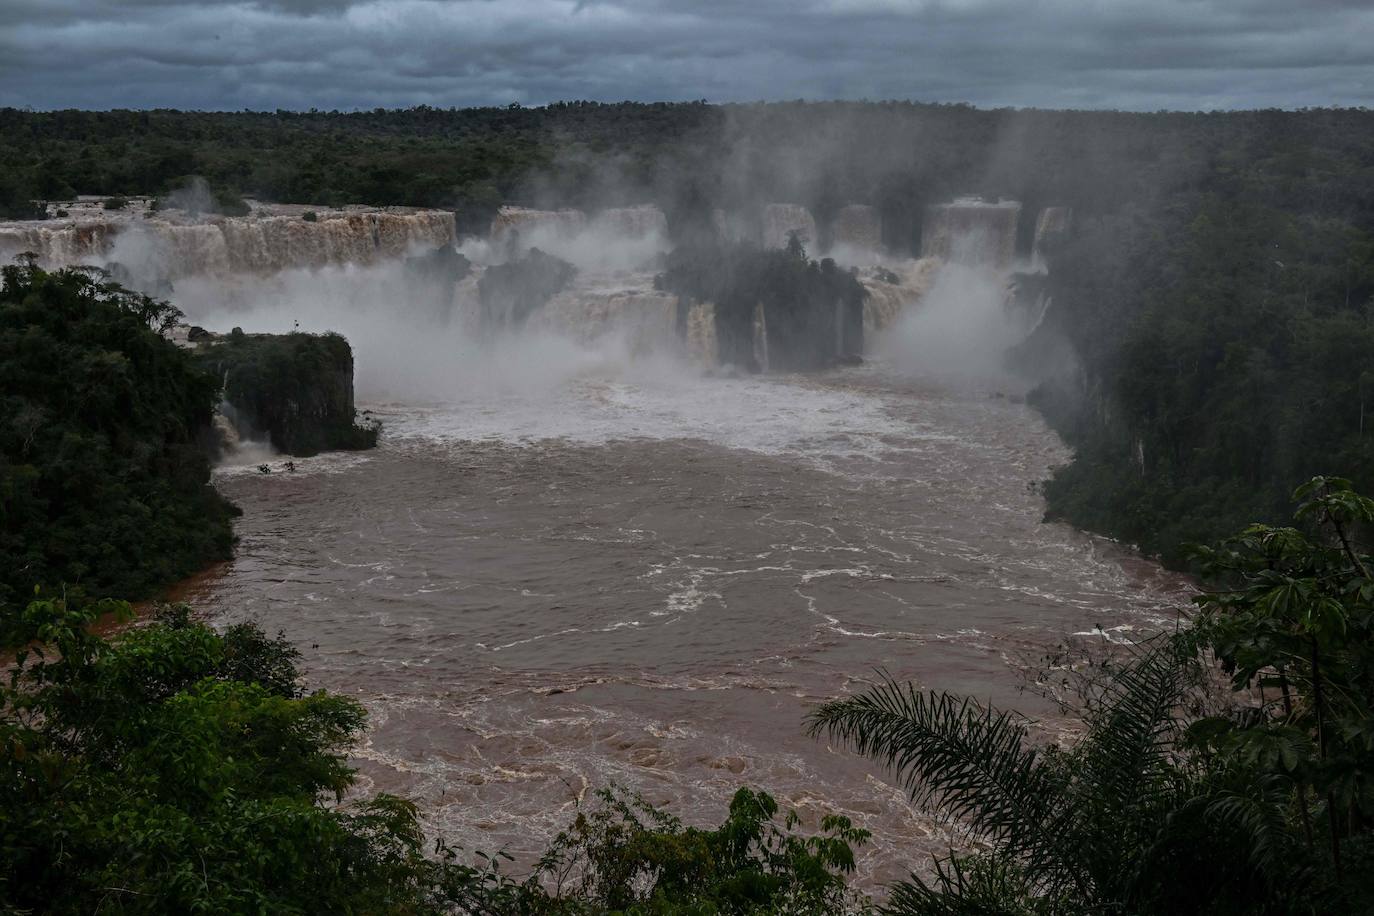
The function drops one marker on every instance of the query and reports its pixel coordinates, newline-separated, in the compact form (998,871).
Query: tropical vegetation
(175,769)
(104,475)
(1183,796)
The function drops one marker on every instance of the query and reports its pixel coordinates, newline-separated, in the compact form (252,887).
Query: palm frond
(1133,733)
(1126,772)
(983,885)
(967,762)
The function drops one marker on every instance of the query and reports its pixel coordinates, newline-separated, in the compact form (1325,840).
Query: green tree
(104,479)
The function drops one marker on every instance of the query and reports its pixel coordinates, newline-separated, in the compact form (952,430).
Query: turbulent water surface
(650,580)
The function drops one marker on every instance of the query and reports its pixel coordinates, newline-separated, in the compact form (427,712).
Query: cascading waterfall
(973,232)
(623,306)
(610,301)
(169,246)
(779,221)
(761,338)
(857,227)
(891,288)
(519,228)
(1050,225)
(703,346)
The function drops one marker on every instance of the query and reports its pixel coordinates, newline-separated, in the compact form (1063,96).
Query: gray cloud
(347,54)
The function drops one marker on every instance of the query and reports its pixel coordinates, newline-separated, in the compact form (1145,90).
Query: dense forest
(1208,344)
(104,474)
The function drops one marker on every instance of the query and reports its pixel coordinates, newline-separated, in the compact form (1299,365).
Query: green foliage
(627,857)
(104,483)
(172,769)
(1118,822)
(1225,343)
(115,203)
(1293,619)
(296,388)
(1171,802)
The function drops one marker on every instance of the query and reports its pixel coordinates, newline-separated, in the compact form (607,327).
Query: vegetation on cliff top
(104,479)
(295,388)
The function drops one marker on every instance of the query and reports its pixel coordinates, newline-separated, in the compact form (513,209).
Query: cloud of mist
(194,200)
(960,330)
(404,348)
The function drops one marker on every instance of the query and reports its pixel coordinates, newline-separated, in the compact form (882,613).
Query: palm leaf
(967,762)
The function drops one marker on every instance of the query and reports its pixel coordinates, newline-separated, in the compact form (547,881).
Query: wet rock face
(766,311)
(511,292)
(297,389)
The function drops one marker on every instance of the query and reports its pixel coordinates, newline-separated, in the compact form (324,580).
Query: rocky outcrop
(509,293)
(766,311)
(296,389)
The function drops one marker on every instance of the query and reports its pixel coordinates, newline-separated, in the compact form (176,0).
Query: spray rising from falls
(552,294)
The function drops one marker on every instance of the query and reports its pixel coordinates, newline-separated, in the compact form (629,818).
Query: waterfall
(168,245)
(858,227)
(760,338)
(703,347)
(515,229)
(234,445)
(892,288)
(973,232)
(631,223)
(1050,225)
(779,221)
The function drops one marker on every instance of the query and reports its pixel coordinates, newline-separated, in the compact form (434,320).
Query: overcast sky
(349,54)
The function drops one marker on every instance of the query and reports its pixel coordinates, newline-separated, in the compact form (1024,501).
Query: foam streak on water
(650,580)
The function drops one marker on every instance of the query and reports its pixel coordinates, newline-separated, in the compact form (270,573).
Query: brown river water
(649,581)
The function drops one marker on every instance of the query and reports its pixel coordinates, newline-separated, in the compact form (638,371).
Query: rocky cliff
(296,389)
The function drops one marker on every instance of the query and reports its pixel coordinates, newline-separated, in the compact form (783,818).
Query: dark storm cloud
(365,53)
